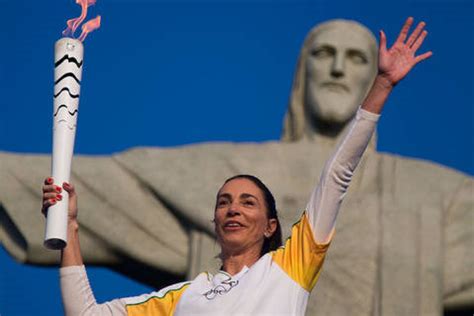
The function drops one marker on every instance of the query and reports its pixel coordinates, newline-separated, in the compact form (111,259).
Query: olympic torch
(68,61)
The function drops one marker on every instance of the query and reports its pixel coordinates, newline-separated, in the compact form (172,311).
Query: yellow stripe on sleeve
(301,257)
(158,305)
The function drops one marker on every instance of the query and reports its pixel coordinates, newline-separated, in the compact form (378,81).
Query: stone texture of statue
(404,238)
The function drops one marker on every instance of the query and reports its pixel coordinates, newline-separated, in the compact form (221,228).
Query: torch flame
(89,27)
(73,24)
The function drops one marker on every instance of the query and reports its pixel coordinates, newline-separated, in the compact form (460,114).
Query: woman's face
(241,220)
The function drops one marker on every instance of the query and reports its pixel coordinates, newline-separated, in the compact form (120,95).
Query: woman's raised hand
(395,63)
(53,193)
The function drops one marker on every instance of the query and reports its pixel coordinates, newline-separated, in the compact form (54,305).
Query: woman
(258,276)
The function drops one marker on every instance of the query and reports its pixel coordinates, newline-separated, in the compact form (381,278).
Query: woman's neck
(233,263)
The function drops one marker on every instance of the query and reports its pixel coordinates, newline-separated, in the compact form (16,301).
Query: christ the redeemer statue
(404,240)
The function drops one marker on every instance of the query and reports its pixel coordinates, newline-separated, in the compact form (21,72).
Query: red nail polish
(59,197)
(49,180)
(58,189)
(53,201)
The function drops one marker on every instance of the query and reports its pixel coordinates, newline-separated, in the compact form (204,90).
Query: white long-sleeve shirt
(279,283)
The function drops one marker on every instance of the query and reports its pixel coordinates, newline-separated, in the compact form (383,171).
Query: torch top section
(70,46)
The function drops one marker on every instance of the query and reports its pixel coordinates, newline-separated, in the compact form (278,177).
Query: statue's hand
(53,193)
(396,62)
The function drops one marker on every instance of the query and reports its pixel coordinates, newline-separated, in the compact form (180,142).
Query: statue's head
(336,67)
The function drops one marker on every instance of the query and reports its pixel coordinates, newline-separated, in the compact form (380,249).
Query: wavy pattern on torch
(65,106)
(74,96)
(70,60)
(69,74)
(68,126)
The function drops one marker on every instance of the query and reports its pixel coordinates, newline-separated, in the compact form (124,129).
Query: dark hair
(275,240)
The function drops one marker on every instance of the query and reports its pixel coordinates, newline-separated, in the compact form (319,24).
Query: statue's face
(339,69)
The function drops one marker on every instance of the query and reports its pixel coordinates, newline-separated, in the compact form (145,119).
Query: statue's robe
(404,237)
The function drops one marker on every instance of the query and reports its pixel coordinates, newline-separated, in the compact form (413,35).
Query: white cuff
(361,113)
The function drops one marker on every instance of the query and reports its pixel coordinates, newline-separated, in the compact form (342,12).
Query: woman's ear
(271,227)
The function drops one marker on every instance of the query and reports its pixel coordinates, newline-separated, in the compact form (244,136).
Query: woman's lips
(233,226)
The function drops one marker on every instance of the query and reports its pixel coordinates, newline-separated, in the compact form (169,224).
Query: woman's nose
(233,211)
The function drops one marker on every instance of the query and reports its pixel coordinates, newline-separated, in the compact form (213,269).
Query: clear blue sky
(165,73)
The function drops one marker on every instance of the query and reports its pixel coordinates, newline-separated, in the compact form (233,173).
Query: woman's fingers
(419,41)
(52,195)
(404,32)
(50,198)
(383,42)
(69,188)
(423,57)
(49,186)
(414,36)
(46,204)
(52,188)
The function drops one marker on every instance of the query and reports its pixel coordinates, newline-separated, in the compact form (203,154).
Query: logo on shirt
(221,289)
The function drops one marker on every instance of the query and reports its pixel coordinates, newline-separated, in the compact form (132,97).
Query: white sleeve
(78,298)
(327,197)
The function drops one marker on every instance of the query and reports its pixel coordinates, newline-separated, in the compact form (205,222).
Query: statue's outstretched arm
(458,250)
(117,213)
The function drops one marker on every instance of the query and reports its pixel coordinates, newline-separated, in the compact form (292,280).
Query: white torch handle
(68,56)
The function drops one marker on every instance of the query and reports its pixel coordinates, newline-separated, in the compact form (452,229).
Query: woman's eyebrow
(248,195)
(224,195)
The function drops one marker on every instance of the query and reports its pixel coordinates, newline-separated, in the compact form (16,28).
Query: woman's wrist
(71,254)
(382,82)
(378,94)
